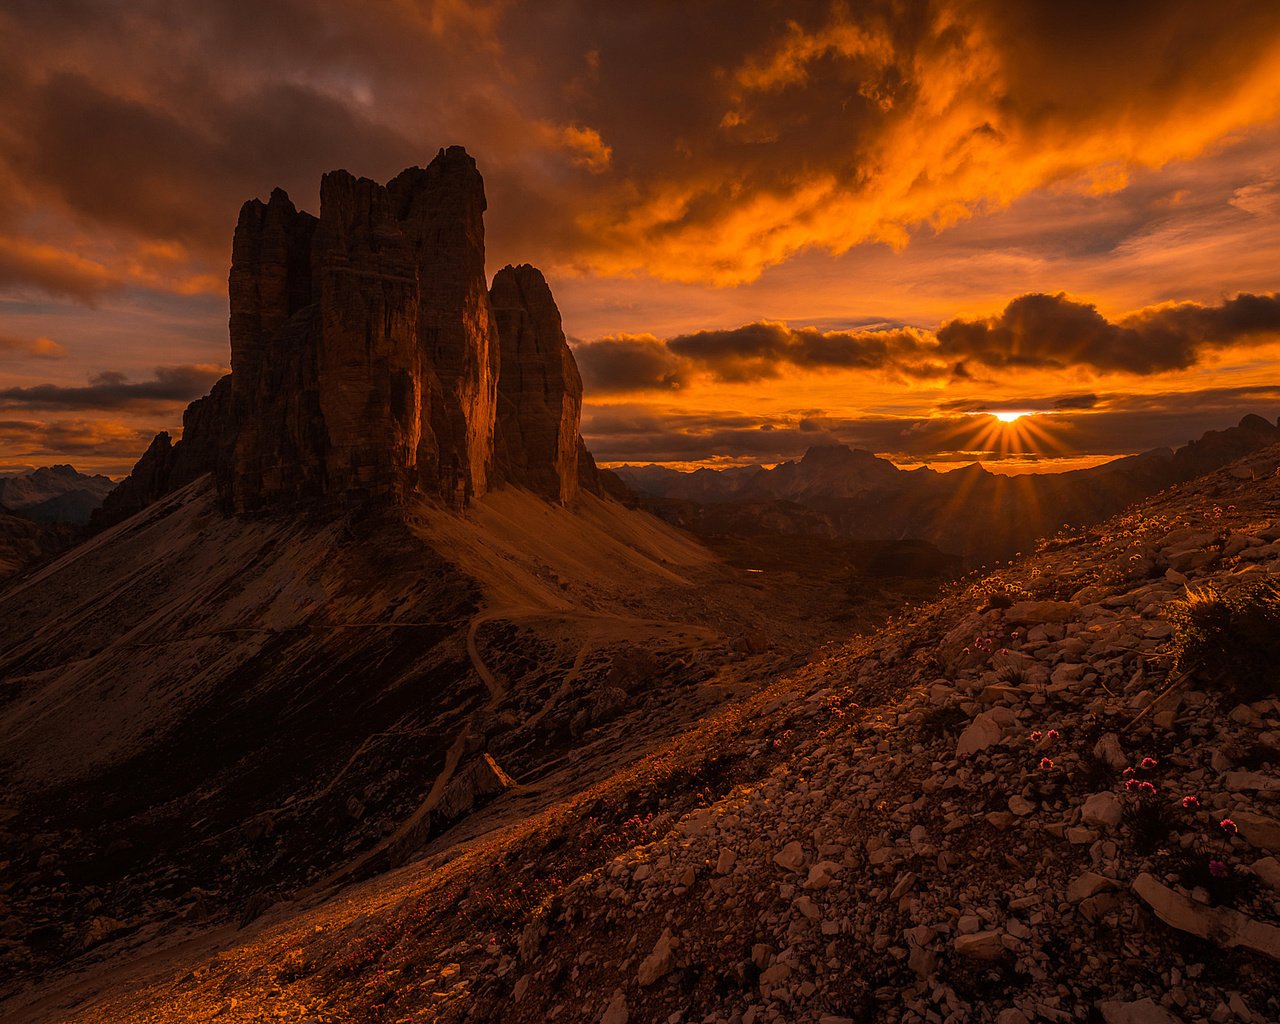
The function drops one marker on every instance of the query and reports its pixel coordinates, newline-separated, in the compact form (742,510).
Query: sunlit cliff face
(766,225)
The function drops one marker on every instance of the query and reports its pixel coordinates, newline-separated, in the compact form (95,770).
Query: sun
(1010,416)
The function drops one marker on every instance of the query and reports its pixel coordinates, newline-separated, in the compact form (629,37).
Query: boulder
(616,1012)
(1268,869)
(1258,830)
(790,856)
(1031,613)
(987,945)
(1088,883)
(472,785)
(983,732)
(1102,809)
(1256,782)
(657,964)
(1220,925)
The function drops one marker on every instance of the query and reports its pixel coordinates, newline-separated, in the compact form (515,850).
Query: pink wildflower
(1051,735)
(1218,868)
(1046,763)
(1147,788)
(1149,762)
(1130,784)
(1228,826)
(1190,802)
(1035,735)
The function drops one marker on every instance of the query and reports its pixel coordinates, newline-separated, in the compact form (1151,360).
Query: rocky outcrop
(363,349)
(165,466)
(365,355)
(472,786)
(274,442)
(539,389)
(590,478)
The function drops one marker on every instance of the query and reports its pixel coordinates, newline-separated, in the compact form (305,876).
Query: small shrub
(942,720)
(1013,675)
(1230,641)
(1200,868)
(1150,821)
(1094,773)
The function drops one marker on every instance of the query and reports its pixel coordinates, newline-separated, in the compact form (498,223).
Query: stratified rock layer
(539,390)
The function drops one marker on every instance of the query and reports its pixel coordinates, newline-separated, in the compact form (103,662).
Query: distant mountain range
(41,512)
(839,491)
(54,494)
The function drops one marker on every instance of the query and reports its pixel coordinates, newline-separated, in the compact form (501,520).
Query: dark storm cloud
(759,350)
(164,174)
(1034,332)
(643,434)
(629,362)
(1052,331)
(752,352)
(1035,404)
(112,390)
(758,129)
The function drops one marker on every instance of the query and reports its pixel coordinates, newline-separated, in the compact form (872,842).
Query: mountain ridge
(862,496)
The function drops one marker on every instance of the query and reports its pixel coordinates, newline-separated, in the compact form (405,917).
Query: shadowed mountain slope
(202,714)
(948,817)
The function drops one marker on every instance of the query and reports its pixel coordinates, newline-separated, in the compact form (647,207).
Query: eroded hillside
(1005,806)
(202,715)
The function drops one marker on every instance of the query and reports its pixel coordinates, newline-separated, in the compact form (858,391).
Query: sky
(767,225)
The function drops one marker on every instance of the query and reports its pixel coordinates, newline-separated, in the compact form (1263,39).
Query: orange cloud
(41,348)
(584,145)
(28,264)
(957,128)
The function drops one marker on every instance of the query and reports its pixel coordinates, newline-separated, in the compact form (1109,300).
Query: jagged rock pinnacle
(365,356)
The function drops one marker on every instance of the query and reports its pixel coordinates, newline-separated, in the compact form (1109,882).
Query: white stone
(1088,883)
(658,963)
(987,945)
(790,857)
(981,733)
(1021,806)
(821,874)
(1258,830)
(1268,869)
(616,1012)
(808,908)
(1102,809)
